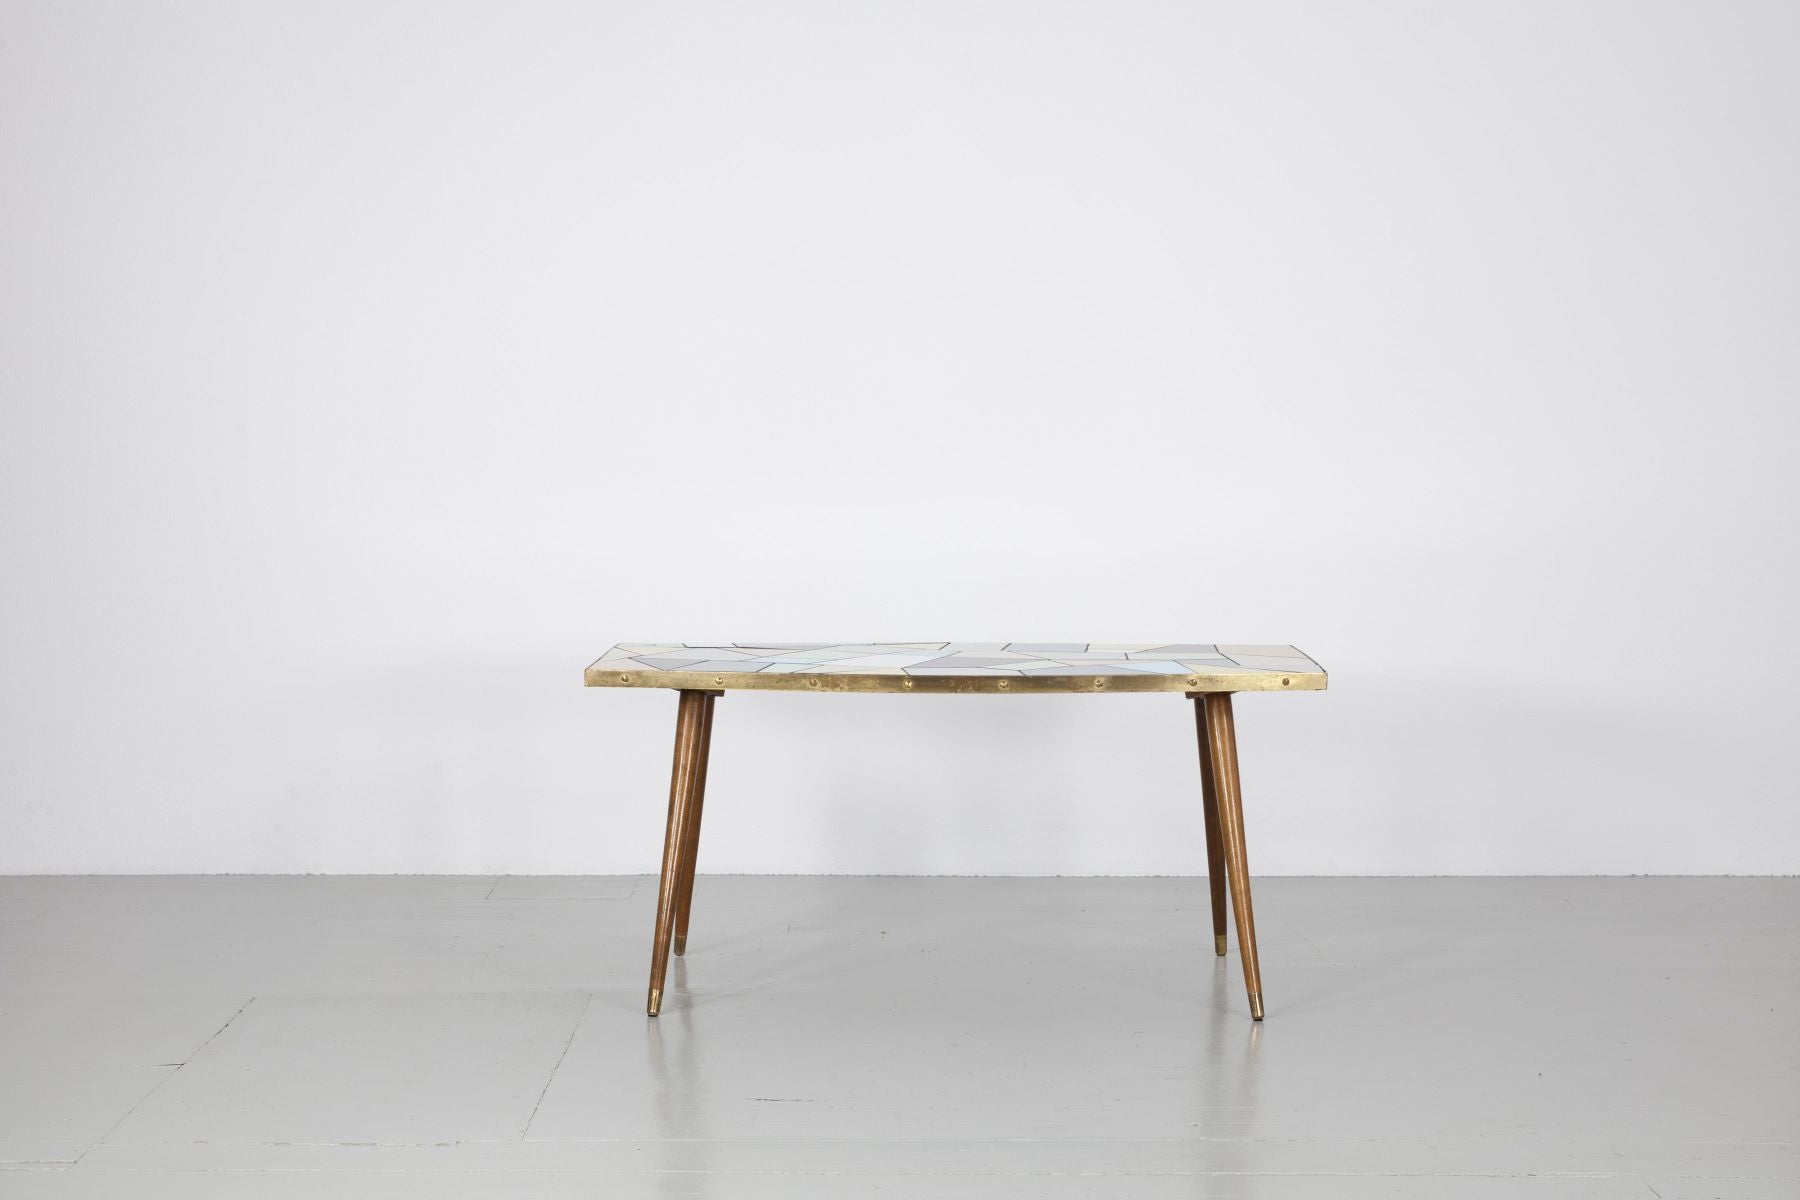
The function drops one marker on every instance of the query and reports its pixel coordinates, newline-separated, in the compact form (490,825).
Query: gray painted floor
(847,1037)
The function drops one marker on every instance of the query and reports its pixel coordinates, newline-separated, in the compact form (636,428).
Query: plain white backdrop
(367,369)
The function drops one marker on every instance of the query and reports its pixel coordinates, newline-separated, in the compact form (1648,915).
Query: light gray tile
(50,1116)
(920,1037)
(1738,1188)
(563,887)
(932,1180)
(387,1069)
(72,1065)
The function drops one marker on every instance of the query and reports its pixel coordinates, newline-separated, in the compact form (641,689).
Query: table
(1207,674)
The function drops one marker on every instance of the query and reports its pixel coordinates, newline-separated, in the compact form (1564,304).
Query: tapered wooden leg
(688,724)
(1221,737)
(690,850)
(1215,840)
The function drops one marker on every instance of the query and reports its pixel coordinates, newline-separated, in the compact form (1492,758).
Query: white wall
(367,369)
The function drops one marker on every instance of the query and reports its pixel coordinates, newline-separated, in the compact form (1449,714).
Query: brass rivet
(624,679)
(1003,685)
(718,679)
(812,683)
(1193,683)
(1284,683)
(906,683)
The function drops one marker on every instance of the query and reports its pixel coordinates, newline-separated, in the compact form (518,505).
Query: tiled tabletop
(988,667)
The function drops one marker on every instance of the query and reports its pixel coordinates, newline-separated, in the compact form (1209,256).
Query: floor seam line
(139,1103)
(573,1030)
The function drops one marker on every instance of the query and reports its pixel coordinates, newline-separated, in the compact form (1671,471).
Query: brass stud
(624,679)
(1284,683)
(1003,685)
(812,683)
(1193,682)
(718,679)
(906,683)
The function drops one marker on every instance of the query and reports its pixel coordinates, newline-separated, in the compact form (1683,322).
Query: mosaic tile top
(994,667)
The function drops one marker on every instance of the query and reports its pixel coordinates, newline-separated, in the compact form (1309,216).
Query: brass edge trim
(916,685)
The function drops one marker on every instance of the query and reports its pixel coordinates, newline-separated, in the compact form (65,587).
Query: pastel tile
(964,671)
(1271,662)
(1248,665)
(829,669)
(823,654)
(1083,669)
(1264,652)
(978,660)
(723,664)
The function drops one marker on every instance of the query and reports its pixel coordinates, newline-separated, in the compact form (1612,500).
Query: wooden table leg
(1221,734)
(689,723)
(690,850)
(1215,840)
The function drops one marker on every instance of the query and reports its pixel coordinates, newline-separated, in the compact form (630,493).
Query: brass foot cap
(1218,943)
(680,944)
(655,1005)
(1256,1009)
